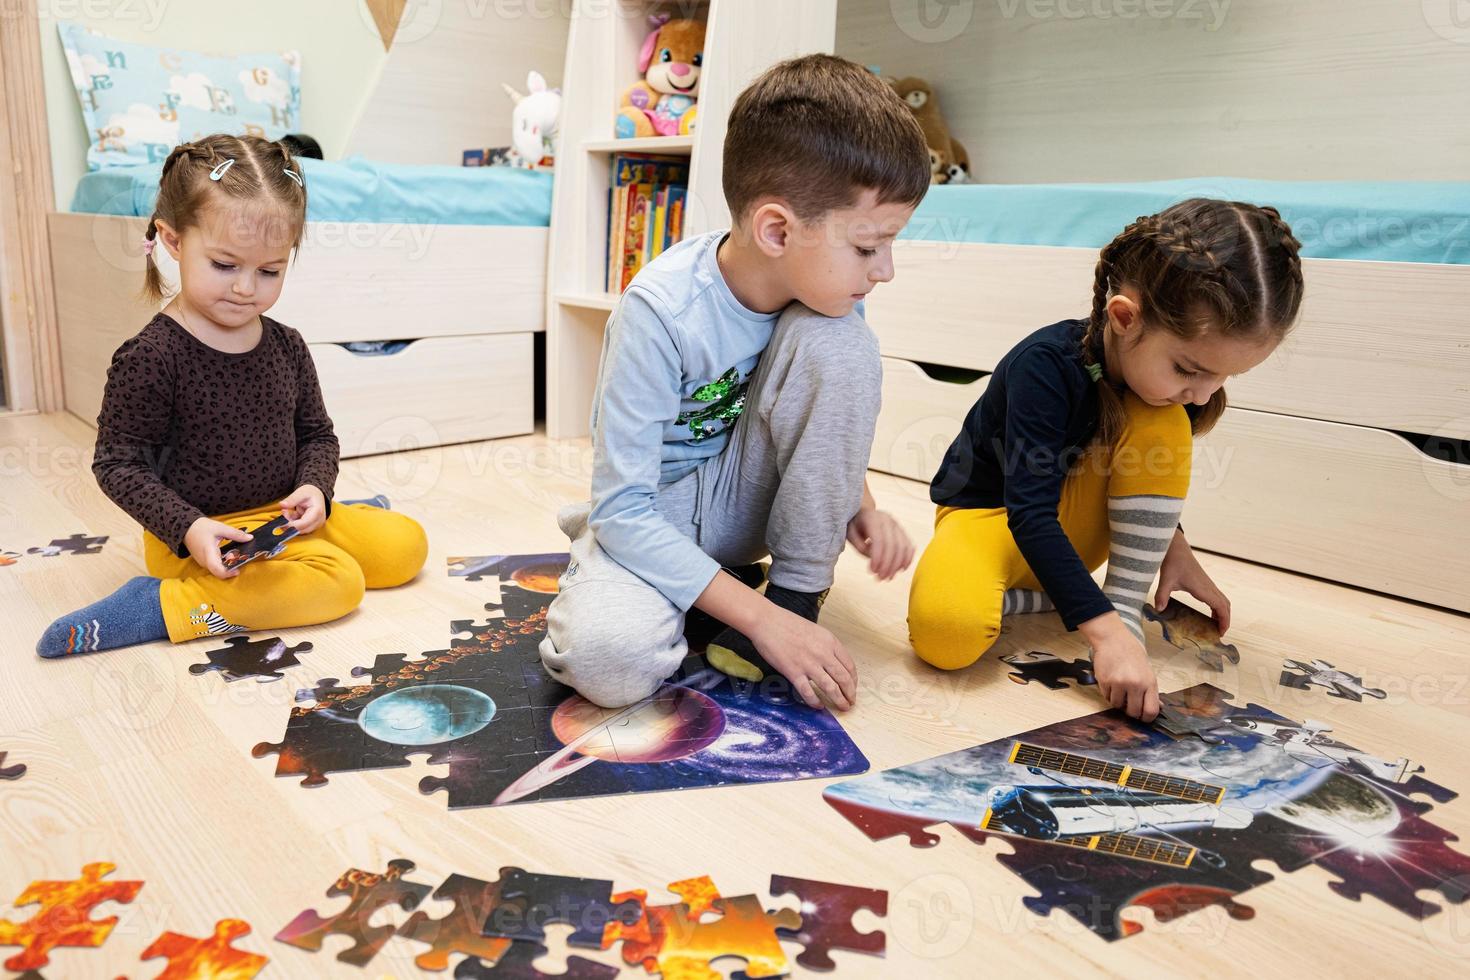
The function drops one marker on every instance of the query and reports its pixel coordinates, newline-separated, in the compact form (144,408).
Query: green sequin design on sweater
(726,398)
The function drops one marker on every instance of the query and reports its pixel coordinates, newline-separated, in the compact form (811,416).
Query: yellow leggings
(317,578)
(955,601)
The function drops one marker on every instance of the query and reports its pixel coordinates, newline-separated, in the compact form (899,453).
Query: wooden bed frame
(1306,471)
(469,297)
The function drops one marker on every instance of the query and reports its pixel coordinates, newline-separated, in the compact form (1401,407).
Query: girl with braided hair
(213,425)
(1079,450)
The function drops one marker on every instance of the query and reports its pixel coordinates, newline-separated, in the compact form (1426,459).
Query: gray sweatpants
(786,485)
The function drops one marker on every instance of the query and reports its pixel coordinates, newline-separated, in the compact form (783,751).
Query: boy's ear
(771,225)
(169,236)
(1123,313)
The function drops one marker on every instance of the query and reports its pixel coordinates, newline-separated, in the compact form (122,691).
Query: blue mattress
(1381,221)
(359,190)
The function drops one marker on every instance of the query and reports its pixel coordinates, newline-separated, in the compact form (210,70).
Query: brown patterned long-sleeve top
(187,431)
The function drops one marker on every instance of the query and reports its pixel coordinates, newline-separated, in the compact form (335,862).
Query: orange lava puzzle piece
(65,916)
(190,958)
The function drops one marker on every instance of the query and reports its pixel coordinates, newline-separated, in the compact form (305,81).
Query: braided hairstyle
(258,179)
(1202,265)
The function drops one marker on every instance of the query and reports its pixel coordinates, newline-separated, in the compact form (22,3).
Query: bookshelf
(744,37)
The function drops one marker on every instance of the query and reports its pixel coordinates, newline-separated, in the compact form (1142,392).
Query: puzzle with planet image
(1104,812)
(509,733)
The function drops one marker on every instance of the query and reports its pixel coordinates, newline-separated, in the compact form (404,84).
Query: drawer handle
(1442,448)
(375,348)
(950,375)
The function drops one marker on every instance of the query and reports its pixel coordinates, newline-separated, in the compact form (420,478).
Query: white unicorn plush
(534,121)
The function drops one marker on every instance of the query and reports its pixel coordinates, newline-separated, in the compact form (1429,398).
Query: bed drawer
(375,282)
(1379,344)
(1347,503)
(432,392)
(920,417)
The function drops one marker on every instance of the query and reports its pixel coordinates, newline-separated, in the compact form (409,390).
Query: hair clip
(1095,370)
(148,245)
(219,170)
(293,175)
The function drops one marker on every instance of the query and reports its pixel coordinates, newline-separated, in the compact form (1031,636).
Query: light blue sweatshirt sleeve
(638,397)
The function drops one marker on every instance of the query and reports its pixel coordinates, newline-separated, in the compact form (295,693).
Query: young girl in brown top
(213,422)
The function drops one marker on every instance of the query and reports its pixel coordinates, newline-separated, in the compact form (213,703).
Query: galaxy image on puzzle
(508,733)
(1104,812)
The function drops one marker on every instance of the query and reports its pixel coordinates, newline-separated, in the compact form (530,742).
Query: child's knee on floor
(404,549)
(614,643)
(948,636)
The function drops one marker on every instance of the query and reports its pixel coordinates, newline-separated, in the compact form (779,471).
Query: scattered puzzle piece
(8,558)
(213,958)
(744,930)
(243,657)
(530,901)
(475,568)
(826,919)
(516,963)
(1049,669)
(367,893)
(459,931)
(1339,683)
(11,772)
(76,544)
(65,916)
(1185,627)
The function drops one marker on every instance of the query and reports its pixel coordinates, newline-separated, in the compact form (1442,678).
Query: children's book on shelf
(645,213)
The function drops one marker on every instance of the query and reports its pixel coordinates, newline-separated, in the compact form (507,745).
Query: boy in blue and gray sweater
(736,403)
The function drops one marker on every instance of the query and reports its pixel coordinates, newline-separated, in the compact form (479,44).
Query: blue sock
(380,501)
(132,614)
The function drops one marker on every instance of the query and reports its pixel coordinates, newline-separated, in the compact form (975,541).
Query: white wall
(341,58)
(1115,90)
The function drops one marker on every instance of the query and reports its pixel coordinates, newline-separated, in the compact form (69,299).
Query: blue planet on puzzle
(427,714)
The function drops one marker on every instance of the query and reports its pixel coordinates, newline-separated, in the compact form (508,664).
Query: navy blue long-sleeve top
(1038,414)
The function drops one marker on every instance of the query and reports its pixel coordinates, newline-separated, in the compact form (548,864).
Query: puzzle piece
(517,963)
(1414,860)
(475,568)
(686,945)
(266,541)
(459,931)
(826,919)
(1049,669)
(1185,627)
(76,544)
(214,957)
(8,558)
(367,893)
(65,915)
(11,772)
(1205,711)
(243,657)
(529,901)
(1339,683)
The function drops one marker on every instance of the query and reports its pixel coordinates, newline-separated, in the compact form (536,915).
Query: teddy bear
(949,162)
(671,60)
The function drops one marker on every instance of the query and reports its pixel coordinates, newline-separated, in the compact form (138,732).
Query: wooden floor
(134,761)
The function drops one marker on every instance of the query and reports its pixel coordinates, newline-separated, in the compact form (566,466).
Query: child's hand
(878,537)
(305,509)
(809,656)
(202,540)
(1182,572)
(1120,664)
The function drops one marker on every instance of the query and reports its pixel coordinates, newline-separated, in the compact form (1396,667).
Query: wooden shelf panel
(672,145)
(588,301)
